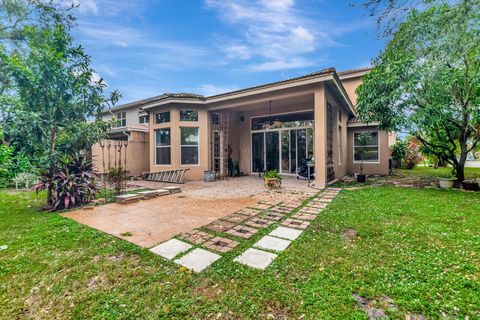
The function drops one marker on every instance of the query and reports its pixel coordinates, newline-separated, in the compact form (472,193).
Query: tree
(57,93)
(428,81)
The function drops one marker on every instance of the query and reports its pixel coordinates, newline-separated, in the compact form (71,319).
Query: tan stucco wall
(350,86)
(137,154)
(340,117)
(380,168)
(196,171)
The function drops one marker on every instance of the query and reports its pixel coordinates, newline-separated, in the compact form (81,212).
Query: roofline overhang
(362,124)
(330,76)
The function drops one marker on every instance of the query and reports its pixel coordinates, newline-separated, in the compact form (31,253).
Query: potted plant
(446,182)
(470,185)
(363,140)
(272,179)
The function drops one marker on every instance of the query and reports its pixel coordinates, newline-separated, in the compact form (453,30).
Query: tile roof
(200,97)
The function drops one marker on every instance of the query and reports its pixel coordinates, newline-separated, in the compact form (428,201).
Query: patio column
(320,121)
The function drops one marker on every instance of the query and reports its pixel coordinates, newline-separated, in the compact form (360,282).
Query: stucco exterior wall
(340,117)
(137,154)
(380,168)
(130,113)
(350,85)
(195,172)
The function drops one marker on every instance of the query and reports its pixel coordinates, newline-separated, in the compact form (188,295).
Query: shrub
(116,176)
(72,183)
(413,156)
(399,150)
(272,174)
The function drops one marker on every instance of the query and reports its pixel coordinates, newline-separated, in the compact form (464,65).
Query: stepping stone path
(275,208)
(242,231)
(286,233)
(171,248)
(221,244)
(198,259)
(296,223)
(196,236)
(255,258)
(272,243)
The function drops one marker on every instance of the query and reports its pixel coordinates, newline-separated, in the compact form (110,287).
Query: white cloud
(211,90)
(294,63)
(87,6)
(271,30)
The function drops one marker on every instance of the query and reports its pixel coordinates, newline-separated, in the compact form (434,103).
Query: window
(215,118)
(372,151)
(121,118)
(162,117)
(188,115)
(143,119)
(189,145)
(162,146)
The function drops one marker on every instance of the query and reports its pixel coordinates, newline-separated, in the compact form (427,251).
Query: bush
(72,183)
(116,176)
(399,150)
(272,174)
(413,156)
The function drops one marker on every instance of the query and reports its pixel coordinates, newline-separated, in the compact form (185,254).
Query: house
(272,126)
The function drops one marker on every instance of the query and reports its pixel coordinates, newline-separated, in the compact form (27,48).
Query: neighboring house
(273,126)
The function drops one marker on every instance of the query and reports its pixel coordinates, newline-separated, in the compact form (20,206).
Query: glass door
(272,150)
(258,152)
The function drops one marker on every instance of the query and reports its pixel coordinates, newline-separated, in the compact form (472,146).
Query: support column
(320,121)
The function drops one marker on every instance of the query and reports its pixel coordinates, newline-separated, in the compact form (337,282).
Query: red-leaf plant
(72,183)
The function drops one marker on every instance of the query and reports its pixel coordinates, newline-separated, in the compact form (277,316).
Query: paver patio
(242,231)
(220,244)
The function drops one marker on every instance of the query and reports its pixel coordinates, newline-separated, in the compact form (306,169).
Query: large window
(162,117)
(188,115)
(162,147)
(189,145)
(121,119)
(371,149)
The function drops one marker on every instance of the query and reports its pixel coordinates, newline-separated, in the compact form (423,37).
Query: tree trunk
(53,137)
(460,165)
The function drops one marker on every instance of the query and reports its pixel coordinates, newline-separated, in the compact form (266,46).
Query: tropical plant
(363,141)
(426,81)
(399,151)
(73,183)
(116,177)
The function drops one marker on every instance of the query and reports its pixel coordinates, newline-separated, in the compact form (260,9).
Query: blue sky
(145,47)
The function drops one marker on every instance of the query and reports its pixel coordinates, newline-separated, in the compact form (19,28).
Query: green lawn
(421,170)
(421,248)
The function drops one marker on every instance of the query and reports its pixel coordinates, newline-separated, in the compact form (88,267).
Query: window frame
(370,146)
(190,146)
(122,119)
(162,122)
(164,147)
(185,110)
(143,116)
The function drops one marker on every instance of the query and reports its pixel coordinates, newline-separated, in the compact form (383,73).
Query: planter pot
(446,183)
(209,176)
(470,186)
(272,183)
(361,178)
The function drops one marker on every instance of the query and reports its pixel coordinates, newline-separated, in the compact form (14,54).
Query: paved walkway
(200,248)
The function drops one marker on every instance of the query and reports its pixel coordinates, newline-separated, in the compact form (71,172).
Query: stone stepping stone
(295,223)
(127,198)
(173,189)
(236,218)
(242,231)
(259,223)
(272,243)
(221,244)
(147,194)
(255,258)
(198,259)
(171,248)
(304,216)
(162,192)
(249,212)
(272,216)
(220,226)
(286,233)
(196,236)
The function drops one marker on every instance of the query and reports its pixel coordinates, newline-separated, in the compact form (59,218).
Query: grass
(441,171)
(421,248)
